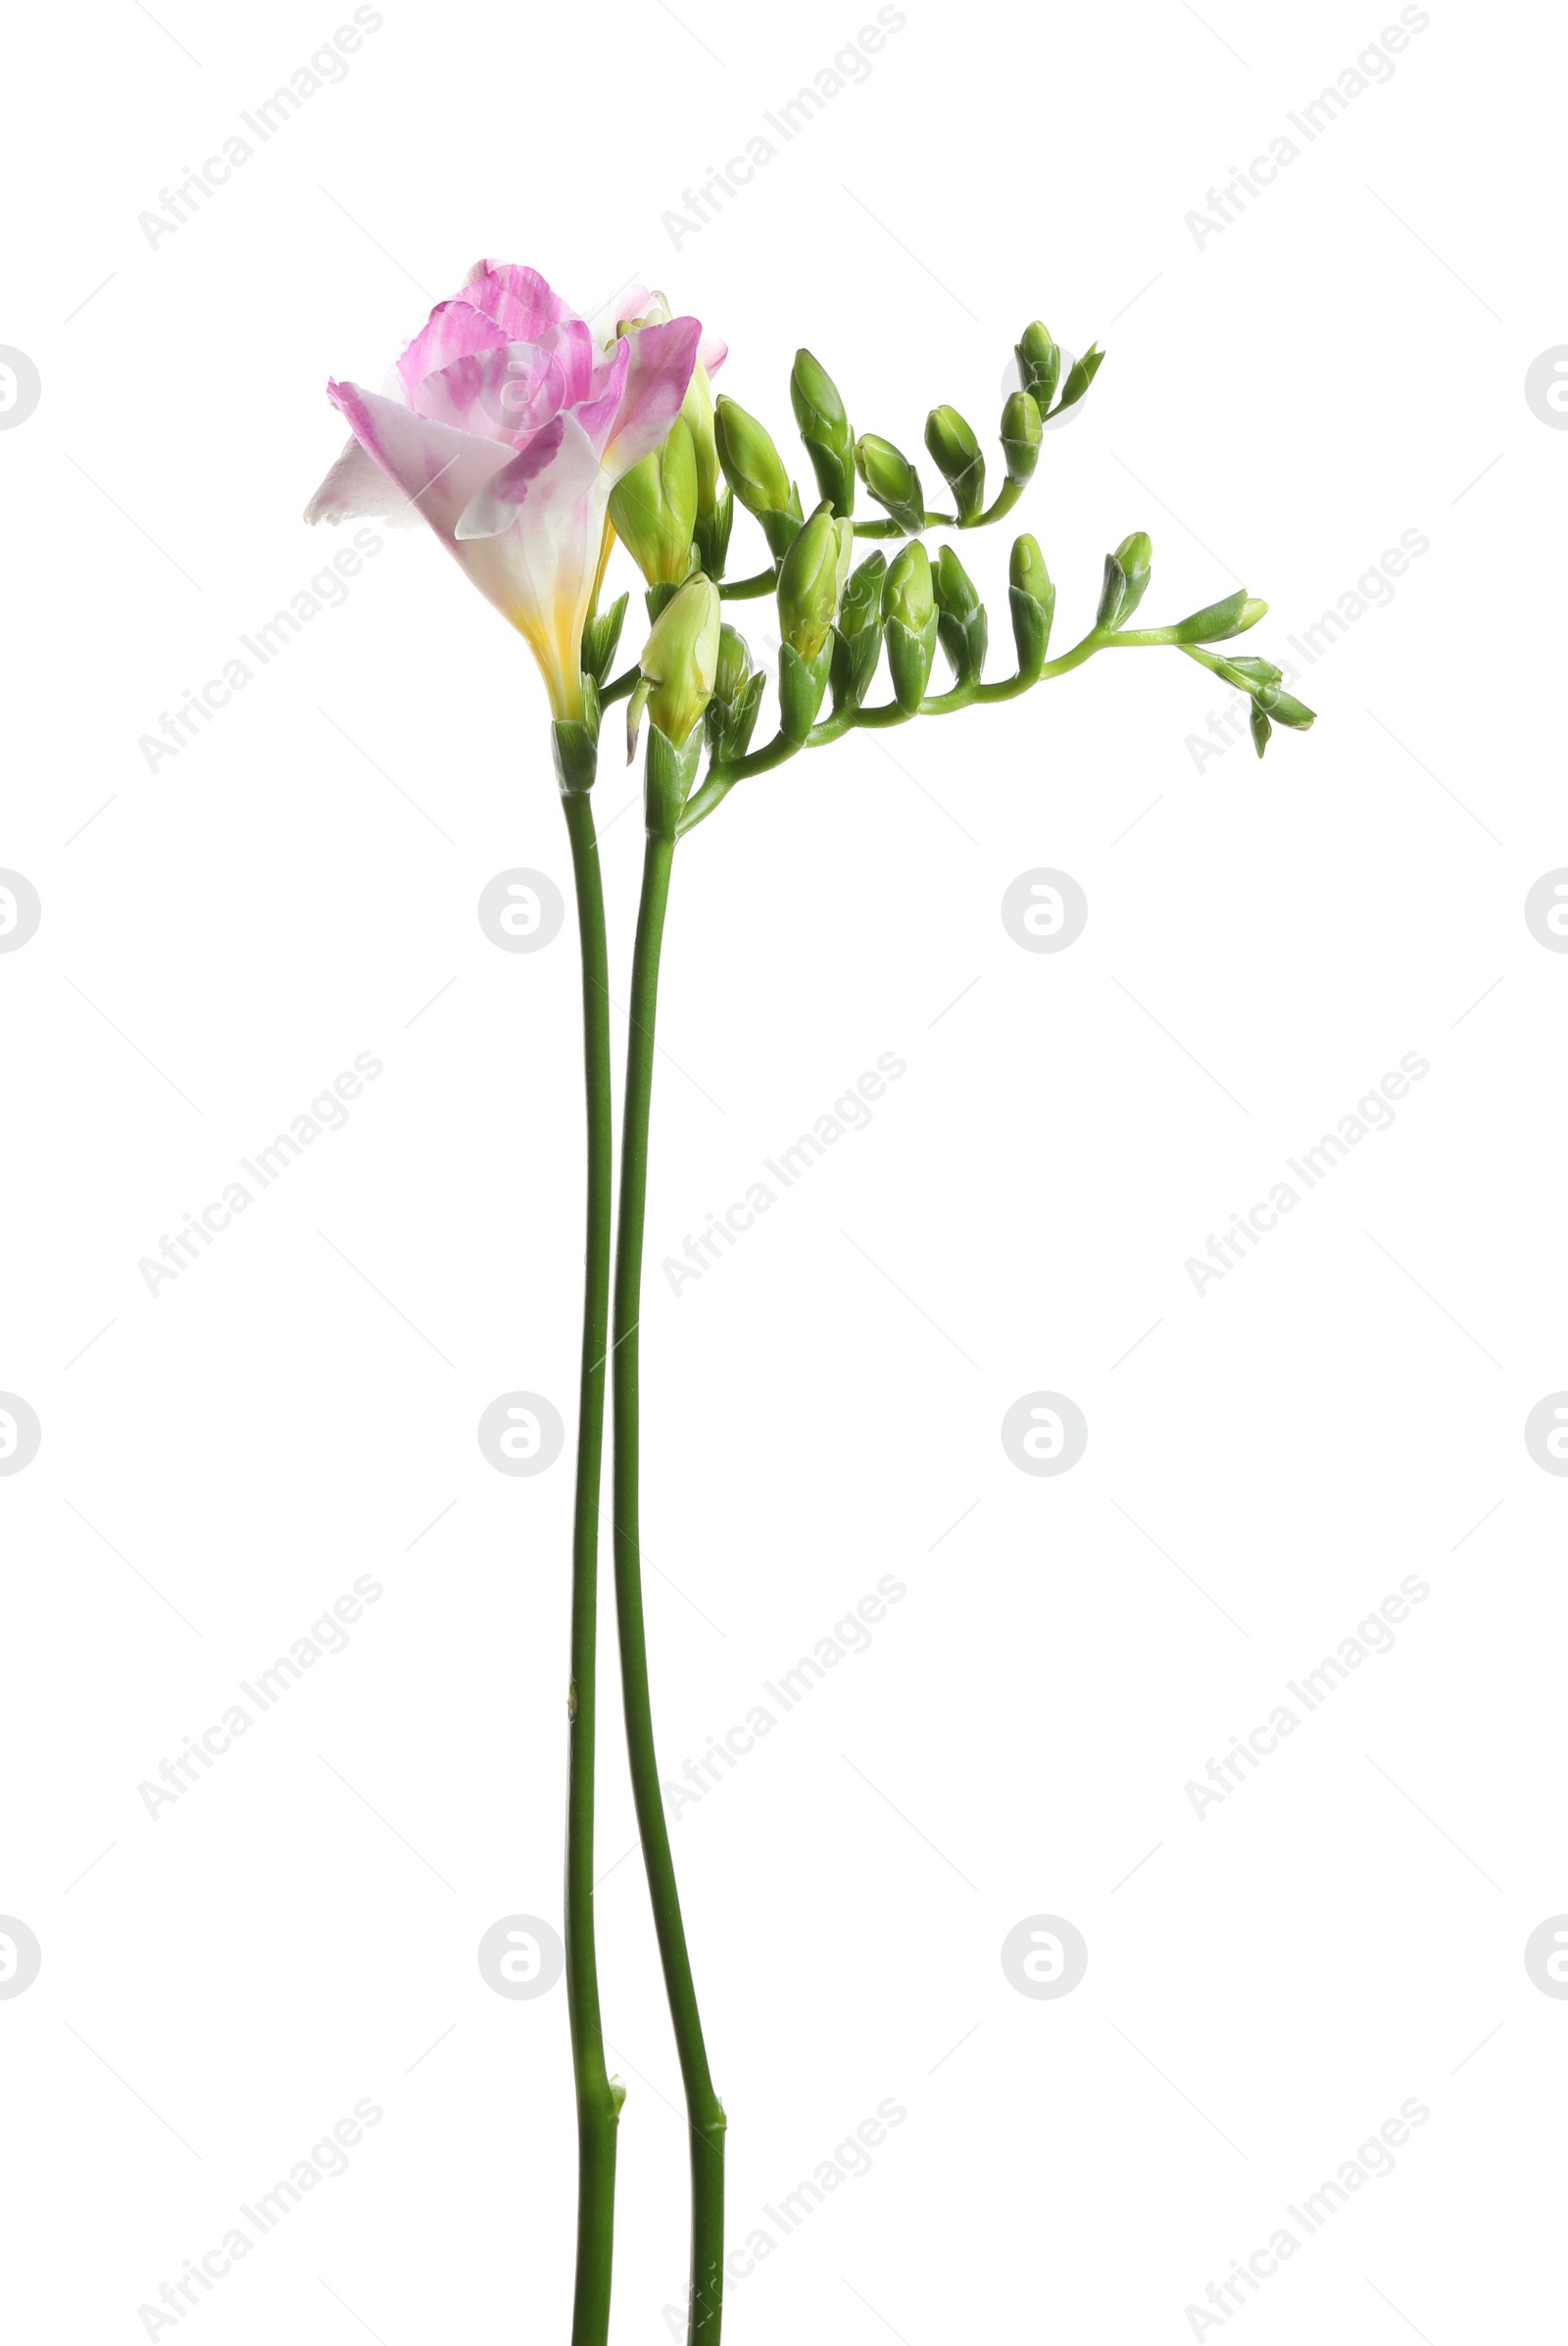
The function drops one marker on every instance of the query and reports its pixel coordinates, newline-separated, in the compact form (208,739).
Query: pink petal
(517,299)
(358,490)
(436,470)
(498,394)
(662,361)
(597,416)
(453,330)
(712,353)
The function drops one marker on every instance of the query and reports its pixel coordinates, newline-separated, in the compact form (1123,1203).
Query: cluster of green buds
(675,509)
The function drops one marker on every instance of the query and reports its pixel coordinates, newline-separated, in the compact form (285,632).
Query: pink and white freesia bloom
(507,422)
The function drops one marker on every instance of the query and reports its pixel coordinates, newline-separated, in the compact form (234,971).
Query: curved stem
(599,2099)
(744,590)
(704,2110)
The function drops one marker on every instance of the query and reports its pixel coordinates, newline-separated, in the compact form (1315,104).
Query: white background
(1341,364)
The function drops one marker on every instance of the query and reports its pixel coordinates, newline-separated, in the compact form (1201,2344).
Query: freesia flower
(505,424)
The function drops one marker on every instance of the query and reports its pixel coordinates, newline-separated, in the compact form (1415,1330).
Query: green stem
(745,590)
(599,2099)
(704,2110)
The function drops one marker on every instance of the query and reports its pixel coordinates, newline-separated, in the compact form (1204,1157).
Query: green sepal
(962,619)
(711,533)
(1080,376)
(780,528)
(667,777)
(664,591)
(835,475)
(599,640)
(1112,594)
(1031,631)
(575,746)
(731,723)
(1135,555)
(909,659)
(1259,727)
(802,684)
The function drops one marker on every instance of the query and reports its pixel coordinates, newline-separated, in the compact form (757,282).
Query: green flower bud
(825,429)
(1133,555)
(1039,365)
(751,461)
(1032,598)
(956,453)
(960,616)
(1260,672)
(697,414)
(910,624)
(860,604)
(809,581)
(1287,711)
(1027,570)
(907,593)
(679,662)
(737,697)
(892,480)
(733,666)
(858,631)
(654,507)
(1020,435)
(1218,621)
(599,636)
(818,409)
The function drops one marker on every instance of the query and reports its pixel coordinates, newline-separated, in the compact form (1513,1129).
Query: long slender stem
(599,2099)
(704,2110)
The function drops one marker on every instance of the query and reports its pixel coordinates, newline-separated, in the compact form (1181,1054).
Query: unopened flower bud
(1217,622)
(1020,435)
(892,480)
(654,507)
(1135,555)
(752,463)
(1260,727)
(680,661)
(737,697)
(960,616)
(1032,596)
(825,429)
(1039,365)
(858,631)
(907,593)
(956,453)
(909,623)
(809,581)
(697,414)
